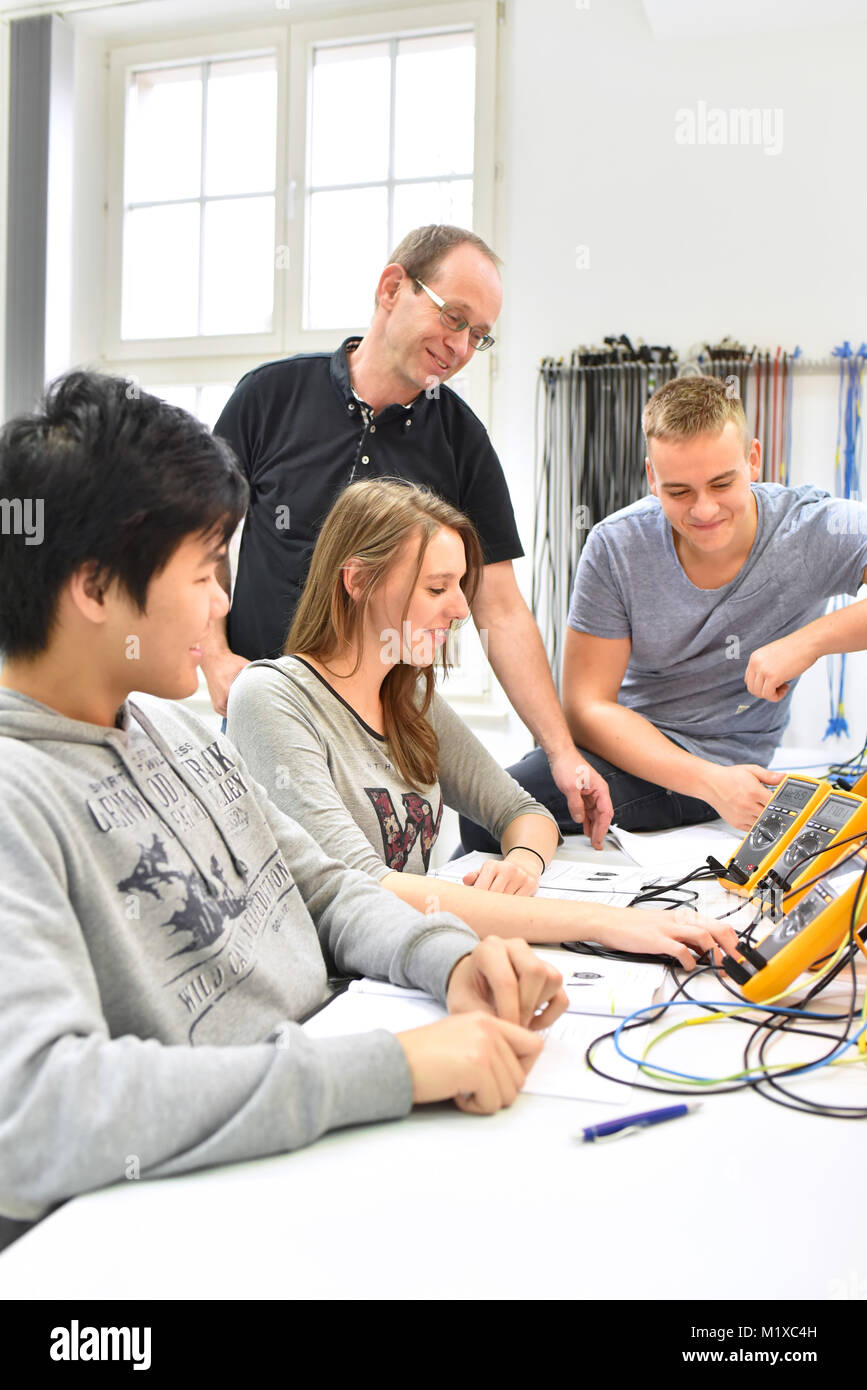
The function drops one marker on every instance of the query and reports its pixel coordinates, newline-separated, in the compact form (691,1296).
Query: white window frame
(226,357)
(123,60)
(442,19)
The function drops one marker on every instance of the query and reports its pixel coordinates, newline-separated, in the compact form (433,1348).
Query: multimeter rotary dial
(805,844)
(768,830)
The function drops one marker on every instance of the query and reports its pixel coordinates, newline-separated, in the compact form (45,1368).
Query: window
(193,198)
(409,105)
(258,181)
(253,201)
(204,401)
(199,199)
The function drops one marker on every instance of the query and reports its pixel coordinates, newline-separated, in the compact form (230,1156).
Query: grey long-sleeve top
(323,765)
(162,924)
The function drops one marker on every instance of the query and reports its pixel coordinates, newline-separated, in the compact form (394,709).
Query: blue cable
(713,1005)
(847,482)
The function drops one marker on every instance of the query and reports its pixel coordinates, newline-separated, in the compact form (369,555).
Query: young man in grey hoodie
(161,922)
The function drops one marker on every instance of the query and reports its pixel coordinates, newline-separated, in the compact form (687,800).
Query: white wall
(686,243)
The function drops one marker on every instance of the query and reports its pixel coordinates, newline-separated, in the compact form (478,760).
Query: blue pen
(631,1124)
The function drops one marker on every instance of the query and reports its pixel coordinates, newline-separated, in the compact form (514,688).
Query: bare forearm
(215,643)
(535,832)
(844,630)
(632,743)
(220,664)
(518,658)
(498,914)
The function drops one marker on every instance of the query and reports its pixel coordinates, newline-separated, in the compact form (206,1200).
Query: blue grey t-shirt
(690,646)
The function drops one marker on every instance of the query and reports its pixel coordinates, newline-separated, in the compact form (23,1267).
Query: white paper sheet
(562,1071)
(357,1012)
(595,985)
(559,1071)
(686,848)
(564,878)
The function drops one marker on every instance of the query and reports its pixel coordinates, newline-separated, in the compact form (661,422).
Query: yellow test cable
(729,1012)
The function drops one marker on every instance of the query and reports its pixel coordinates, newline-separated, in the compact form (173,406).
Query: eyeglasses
(452,320)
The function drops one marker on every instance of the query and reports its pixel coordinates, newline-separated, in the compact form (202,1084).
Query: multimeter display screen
(844,875)
(793,922)
(793,796)
(835,811)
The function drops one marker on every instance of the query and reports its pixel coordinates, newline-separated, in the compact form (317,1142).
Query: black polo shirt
(301,436)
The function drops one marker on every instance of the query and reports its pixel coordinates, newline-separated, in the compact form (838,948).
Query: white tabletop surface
(741,1200)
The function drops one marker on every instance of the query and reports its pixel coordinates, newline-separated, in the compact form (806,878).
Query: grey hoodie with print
(161,924)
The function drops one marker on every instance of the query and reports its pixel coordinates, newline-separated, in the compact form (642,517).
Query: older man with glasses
(305,427)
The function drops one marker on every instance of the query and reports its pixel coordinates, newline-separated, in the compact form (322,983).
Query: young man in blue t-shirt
(693,614)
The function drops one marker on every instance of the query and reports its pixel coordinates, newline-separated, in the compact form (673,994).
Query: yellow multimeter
(859,788)
(838,816)
(809,931)
(786,812)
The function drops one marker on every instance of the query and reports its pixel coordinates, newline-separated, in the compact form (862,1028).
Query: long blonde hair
(368,525)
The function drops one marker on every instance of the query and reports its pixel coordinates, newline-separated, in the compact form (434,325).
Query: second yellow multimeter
(786,812)
(838,816)
(809,930)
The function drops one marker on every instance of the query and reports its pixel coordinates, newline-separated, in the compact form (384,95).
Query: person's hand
(586,793)
(771,669)
(739,793)
(506,978)
(678,933)
(506,875)
(220,671)
(475,1060)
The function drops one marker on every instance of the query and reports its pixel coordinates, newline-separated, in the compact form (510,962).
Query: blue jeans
(638,805)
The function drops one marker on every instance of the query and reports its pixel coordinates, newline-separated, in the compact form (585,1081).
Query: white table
(508,1206)
(444,1204)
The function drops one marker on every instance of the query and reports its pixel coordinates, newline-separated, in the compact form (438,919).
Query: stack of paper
(594,987)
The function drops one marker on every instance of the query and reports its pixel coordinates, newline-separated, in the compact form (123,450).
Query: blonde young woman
(349,736)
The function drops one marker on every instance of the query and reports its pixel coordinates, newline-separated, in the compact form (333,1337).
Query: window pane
(160,272)
(351,100)
(211,402)
(238,280)
(241,143)
(348,251)
(175,394)
(416,204)
(434,106)
(205,402)
(163,153)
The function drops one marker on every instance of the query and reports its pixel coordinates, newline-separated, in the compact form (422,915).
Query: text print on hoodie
(152,897)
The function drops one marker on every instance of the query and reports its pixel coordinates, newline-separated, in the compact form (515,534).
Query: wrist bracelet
(531,851)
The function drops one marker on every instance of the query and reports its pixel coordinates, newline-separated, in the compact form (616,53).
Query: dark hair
(422,250)
(115,476)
